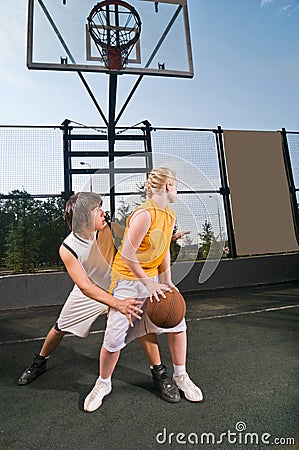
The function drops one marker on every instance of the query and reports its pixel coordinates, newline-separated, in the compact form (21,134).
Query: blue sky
(246,74)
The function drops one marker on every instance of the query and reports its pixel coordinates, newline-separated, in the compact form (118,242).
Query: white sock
(179,370)
(105,380)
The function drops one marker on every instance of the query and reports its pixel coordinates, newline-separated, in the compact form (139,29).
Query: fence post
(148,145)
(290,178)
(111,141)
(66,129)
(225,192)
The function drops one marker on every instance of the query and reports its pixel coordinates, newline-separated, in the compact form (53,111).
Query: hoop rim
(114,56)
(125,5)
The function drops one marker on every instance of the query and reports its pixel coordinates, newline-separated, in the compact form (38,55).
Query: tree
(21,240)
(32,231)
(51,230)
(6,219)
(207,237)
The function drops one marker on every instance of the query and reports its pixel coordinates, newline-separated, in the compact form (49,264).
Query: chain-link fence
(33,187)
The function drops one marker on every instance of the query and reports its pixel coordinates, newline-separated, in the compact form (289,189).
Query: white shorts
(79,313)
(118,330)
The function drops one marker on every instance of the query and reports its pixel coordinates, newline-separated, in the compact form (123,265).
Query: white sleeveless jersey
(95,256)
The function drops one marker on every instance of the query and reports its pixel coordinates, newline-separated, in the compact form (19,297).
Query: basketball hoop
(115,28)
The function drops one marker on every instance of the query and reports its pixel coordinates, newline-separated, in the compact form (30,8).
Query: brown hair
(78,208)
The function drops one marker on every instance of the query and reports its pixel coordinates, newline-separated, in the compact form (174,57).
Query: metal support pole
(290,178)
(67,164)
(224,191)
(111,139)
(148,145)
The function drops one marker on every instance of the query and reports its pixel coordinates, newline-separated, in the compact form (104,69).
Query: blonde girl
(141,269)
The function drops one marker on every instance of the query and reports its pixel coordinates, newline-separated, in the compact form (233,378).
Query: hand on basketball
(129,308)
(155,289)
(165,279)
(171,285)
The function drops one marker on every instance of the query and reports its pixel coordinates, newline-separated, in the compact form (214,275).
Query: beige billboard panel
(260,199)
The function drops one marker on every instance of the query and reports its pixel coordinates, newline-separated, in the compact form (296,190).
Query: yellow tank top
(153,247)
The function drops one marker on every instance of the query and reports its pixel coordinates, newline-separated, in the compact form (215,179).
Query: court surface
(243,352)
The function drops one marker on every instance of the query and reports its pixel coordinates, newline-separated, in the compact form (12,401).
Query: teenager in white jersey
(88,253)
(141,269)
(89,268)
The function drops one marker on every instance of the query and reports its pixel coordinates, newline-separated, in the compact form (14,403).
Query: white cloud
(290,9)
(266,2)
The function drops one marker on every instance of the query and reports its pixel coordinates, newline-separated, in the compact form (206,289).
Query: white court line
(222,316)
(21,341)
(244,313)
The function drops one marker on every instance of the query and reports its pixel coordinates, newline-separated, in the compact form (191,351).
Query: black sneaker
(165,384)
(38,367)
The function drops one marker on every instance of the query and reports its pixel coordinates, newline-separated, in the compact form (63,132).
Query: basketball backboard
(59,38)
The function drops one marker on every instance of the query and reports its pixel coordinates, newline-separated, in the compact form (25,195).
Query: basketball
(169,311)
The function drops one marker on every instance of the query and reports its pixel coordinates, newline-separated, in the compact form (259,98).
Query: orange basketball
(169,311)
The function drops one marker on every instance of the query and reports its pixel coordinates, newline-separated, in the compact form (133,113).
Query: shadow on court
(242,351)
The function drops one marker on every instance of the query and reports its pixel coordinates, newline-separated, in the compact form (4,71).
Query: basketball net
(115,27)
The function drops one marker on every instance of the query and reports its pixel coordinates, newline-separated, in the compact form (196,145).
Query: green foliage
(32,231)
(207,237)
(52,230)
(6,218)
